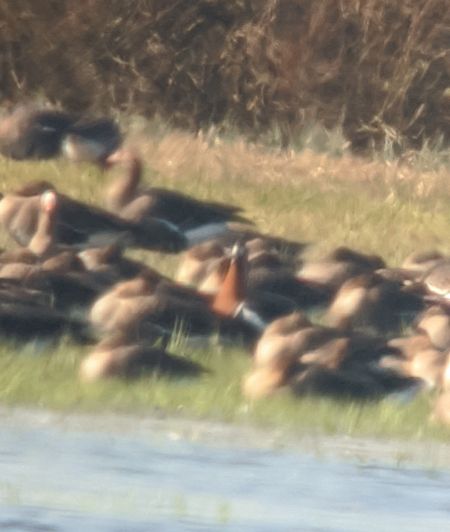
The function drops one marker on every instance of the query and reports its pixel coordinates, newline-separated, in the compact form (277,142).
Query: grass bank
(384,206)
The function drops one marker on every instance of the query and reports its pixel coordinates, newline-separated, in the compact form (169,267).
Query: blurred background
(380,70)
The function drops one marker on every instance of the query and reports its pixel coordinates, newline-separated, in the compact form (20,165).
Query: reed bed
(376,68)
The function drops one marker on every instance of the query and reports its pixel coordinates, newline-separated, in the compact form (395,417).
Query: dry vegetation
(380,69)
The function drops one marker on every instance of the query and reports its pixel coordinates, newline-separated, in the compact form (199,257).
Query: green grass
(299,196)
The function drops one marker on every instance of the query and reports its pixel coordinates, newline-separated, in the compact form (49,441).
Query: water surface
(69,474)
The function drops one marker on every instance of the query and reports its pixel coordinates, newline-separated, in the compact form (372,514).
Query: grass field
(327,197)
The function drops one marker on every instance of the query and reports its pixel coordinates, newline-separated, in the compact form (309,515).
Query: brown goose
(316,360)
(43,242)
(197,262)
(118,357)
(422,262)
(436,281)
(262,381)
(290,250)
(351,384)
(337,384)
(26,315)
(62,277)
(44,265)
(371,301)
(339,266)
(435,323)
(32,133)
(425,363)
(296,339)
(131,305)
(266,273)
(136,205)
(80,224)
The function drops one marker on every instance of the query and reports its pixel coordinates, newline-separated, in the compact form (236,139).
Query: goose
(120,356)
(58,271)
(267,273)
(262,382)
(419,357)
(294,337)
(62,277)
(371,301)
(92,141)
(436,281)
(270,286)
(340,265)
(435,323)
(22,321)
(29,132)
(109,263)
(422,261)
(290,250)
(368,384)
(43,242)
(198,261)
(292,344)
(408,346)
(132,304)
(185,212)
(80,224)
(337,384)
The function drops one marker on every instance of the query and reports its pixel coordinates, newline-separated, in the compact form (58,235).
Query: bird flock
(343,326)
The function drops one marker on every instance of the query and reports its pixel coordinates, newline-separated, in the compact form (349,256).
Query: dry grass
(377,68)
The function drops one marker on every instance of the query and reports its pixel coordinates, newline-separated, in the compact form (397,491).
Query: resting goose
(424,362)
(92,141)
(121,356)
(435,323)
(82,225)
(197,262)
(371,301)
(130,305)
(339,266)
(132,203)
(23,320)
(29,132)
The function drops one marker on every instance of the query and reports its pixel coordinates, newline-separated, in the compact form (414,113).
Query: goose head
(128,158)
(43,241)
(232,290)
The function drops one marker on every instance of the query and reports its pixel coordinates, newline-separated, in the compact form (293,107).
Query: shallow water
(75,475)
